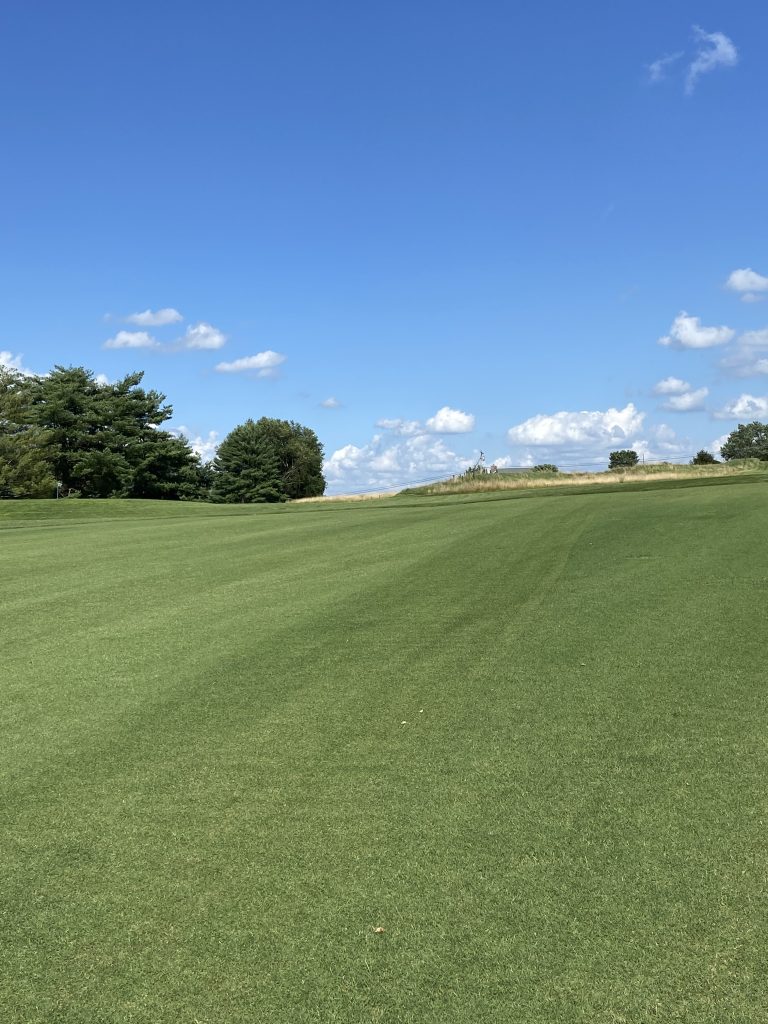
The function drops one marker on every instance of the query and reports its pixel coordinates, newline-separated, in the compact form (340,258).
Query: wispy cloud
(330,403)
(657,71)
(715,50)
(403,428)
(131,339)
(11,362)
(156,318)
(749,285)
(203,336)
(688,332)
(712,50)
(749,356)
(263,364)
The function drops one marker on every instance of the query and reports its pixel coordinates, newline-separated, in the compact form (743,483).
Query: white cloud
(661,444)
(680,396)
(718,443)
(746,360)
(715,51)
(404,428)
(131,339)
(578,428)
(755,339)
(205,447)
(687,332)
(379,465)
(263,364)
(745,407)
(330,403)
(158,318)
(445,421)
(103,379)
(450,421)
(689,401)
(657,71)
(671,386)
(203,335)
(11,362)
(748,283)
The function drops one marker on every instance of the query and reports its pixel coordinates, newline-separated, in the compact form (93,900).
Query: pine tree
(246,467)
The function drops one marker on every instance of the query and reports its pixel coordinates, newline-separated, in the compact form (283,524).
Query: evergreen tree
(26,469)
(299,454)
(268,460)
(105,438)
(246,467)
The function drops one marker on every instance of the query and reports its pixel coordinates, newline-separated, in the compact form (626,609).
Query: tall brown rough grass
(529,481)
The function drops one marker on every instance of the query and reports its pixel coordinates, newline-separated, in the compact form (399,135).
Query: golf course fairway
(489,759)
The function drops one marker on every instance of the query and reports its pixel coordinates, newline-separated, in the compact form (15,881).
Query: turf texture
(409,761)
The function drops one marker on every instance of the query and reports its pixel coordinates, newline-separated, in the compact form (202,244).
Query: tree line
(68,433)
(747,441)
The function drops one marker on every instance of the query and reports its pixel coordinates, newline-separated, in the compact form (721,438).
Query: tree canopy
(268,460)
(622,458)
(747,441)
(26,465)
(99,440)
(703,458)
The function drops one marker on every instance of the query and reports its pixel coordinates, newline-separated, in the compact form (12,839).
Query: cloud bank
(613,426)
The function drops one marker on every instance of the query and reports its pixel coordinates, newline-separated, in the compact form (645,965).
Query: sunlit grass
(467,759)
(651,472)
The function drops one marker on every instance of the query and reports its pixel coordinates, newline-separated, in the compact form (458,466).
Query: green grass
(525,737)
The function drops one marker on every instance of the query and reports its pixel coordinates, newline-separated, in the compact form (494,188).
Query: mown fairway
(525,736)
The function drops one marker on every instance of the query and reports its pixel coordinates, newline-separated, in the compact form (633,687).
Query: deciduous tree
(747,441)
(621,459)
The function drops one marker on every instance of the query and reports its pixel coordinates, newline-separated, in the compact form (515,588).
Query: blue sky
(423,229)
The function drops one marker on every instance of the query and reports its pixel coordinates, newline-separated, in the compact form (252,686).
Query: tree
(747,441)
(704,458)
(268,460)
(545,467)
(26,469)
(105,439)
(299,454)
(621,459)
(246,468)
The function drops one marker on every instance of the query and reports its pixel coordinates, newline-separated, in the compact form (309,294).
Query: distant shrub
(545,467)
(704,458)
(622,459)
